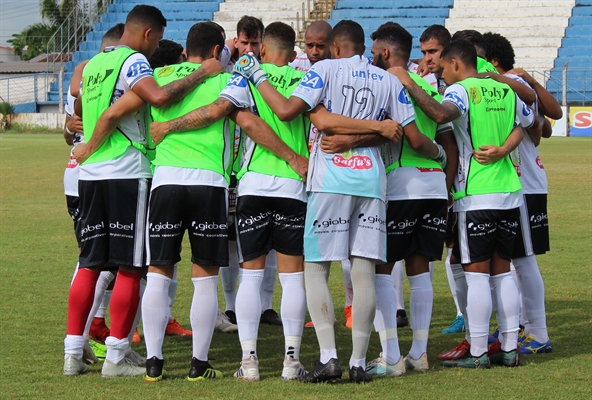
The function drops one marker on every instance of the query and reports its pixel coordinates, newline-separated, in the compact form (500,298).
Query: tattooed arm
(198,118)
(158,96)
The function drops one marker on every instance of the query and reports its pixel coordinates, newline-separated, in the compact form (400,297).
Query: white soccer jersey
(133,164)
(457,95)
(352,87)
(301,62)
(72,169)
(430,78)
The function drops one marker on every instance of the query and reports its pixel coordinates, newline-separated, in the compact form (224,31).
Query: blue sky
(15,15)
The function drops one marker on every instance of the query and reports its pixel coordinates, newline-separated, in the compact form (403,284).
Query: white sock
(155,312)
(130,337)
(229,276)
(508,301)
(248,309)
(105,278)
(268,285)
(203,314)
(363,308)
(293,309)
(172,293)
(421,301)
(398,276)
(320,306)
(73,345)
(523,316)
(478,310)
(116,348)
(385,320)
(349,291)
(533,295)
(451,281)
(102,310)
(461,295)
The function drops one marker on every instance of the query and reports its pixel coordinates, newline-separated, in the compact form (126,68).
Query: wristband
(69,131)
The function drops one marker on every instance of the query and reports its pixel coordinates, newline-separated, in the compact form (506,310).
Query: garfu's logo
(352,161)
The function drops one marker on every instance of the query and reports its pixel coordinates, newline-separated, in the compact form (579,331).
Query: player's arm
(342,143)
(441,113)
(423,145)
(548,105)
(198,118)
(67,137)
(160,96)
(547,129)
(490,154)
(285,109)
(525,93)
(76,78)
(261,133)
(72,125)
(448,143)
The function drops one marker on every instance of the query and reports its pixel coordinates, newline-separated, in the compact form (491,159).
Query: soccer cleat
(249,369)
(74,366)
(153,370)
(457,352)
(380,367)
(521,335)
(358,375)
(231,316)
(223,324)
(311,324)
(201,370)
(347,311)
(173,328)
(270,317)
(323,372)
(99,350)
(494,348)
(493,337)
(457,326)
(531,346)
(420,365)
(293,369)
(468,361)
(136,338)
(125,367)
(135,358)
(402,318)
(98,330)
(505,358)
(88,356)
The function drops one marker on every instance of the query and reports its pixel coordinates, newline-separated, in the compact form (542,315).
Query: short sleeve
(524,115)
(457,95)
(225,56)
(69,106)
(134,69)
(401,109)
(313,87)
(237,91)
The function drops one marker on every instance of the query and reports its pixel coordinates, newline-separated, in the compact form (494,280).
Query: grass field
(38,253)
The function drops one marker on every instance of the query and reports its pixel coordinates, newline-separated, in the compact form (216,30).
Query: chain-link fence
(23,89)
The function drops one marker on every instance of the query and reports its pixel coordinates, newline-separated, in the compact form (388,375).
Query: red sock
(124,303)
(80,300)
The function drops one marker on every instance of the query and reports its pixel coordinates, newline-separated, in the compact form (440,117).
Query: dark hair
(147,16)
(499,48)
(202,38)
(462,50)
(397,37)
(282,34)
(472,36)
(220,28)
(250,26)
(168,53)
(438,32)
(350,31)
(114,33)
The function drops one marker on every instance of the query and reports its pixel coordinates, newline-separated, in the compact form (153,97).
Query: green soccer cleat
(99,349)
(505,358)
(469,361)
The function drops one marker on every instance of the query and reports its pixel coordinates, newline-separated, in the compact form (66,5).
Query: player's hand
(488,154)
(422,68)
(336,144)
(441,156)
(81,152)
(300,165)
(249,67)
(391,130)
(402,74)
(158,130)
(523,74)
(75,124)
(212,67)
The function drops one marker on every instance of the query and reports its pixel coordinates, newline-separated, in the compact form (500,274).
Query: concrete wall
(46,120)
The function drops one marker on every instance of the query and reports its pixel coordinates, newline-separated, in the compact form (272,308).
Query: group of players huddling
(338,158)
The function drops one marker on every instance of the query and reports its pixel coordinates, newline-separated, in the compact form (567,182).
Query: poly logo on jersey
(457,101)
(403,98)
(475,95)
(237,80)
(165,71)
(312,80)
(357,162)
(138,68)
(494,94)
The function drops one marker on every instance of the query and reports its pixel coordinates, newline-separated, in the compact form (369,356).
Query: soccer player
(249,31)
(432,41)
(487,120)
(316,46)
(355,180)
(113,184)
(476,39)
(417,191)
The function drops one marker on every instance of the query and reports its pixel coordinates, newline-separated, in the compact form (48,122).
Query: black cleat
(323,372)
(153,370)
(402,318)
(231,316)
(359,375)
(270,317)
(201,370)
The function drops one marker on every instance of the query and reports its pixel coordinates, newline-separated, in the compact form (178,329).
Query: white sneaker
(74,366)
(292,369)
(223,324)
(136,359)
(421,364)
(88,356)
(123,368)
(380,367)
(249,369)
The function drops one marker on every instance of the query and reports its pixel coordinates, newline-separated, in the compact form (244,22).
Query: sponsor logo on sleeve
(312,80)
(237,80)
(456,100)
(139,68)
(403,98)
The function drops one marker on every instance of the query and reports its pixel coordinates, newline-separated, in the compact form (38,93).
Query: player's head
(144,27)
(204,42)
(278,41)
(347,39)
(249,35)
(168,53)
(472,36)
(392,45)
(432,42)
(220,29)
(457,58)
(316,41)
(499,51)
(112,36)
